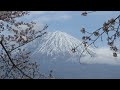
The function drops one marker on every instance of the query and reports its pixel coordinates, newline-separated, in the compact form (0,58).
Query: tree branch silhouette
(105,29)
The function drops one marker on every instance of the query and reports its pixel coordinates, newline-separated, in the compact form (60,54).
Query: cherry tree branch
(97,33)
(12,60)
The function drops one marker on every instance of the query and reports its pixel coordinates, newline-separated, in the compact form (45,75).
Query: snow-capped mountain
(56,44)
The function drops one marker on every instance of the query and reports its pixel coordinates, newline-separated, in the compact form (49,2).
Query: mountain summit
(57,43)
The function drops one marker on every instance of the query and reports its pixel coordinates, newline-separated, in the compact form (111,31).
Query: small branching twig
(86,13)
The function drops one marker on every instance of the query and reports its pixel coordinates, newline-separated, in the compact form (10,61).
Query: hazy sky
(70,21)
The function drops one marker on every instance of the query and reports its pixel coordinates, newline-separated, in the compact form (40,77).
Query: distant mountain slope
(57,42)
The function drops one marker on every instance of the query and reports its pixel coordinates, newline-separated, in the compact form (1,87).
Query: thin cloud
(46,16)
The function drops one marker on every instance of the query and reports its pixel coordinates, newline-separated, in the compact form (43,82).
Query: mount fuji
(57,45)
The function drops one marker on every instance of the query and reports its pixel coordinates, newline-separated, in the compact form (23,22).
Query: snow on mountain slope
(56,43)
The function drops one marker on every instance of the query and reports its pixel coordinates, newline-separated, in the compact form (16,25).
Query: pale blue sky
(70,21)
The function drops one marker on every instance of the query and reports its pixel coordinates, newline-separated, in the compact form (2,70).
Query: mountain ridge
(57,42)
